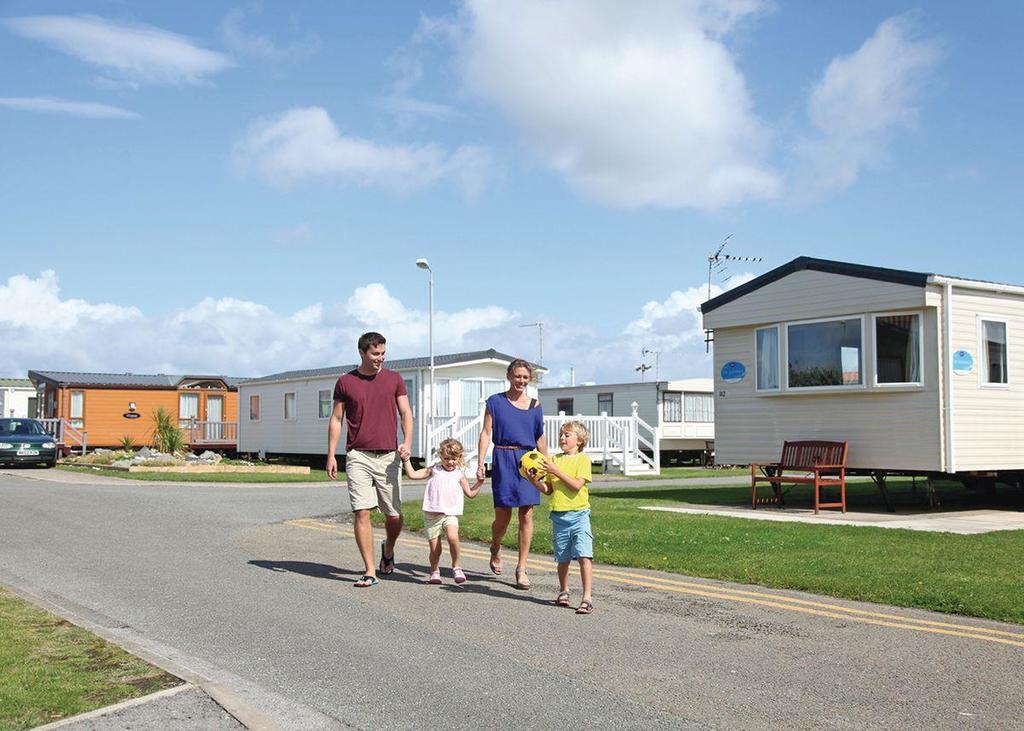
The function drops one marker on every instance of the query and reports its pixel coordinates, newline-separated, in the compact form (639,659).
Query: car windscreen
(20,427)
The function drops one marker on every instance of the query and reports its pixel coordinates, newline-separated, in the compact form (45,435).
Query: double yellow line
(743,596)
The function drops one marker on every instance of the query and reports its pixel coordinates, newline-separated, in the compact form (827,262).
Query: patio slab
(964,522)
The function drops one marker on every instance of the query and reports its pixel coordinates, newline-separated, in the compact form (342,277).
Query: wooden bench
(819,464)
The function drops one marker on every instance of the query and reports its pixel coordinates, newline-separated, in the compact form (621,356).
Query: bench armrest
(765,464)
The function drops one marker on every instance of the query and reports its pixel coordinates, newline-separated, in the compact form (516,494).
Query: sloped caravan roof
(395,365)
(128,380)
(897,276)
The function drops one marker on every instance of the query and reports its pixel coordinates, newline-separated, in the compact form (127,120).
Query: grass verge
(314,475)
(669,473)
(976,575)
(50,669)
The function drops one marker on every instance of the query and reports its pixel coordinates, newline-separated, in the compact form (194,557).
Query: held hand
(332,467)
(481,471)
(404,452)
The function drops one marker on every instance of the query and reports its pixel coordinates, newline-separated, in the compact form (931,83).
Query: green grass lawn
(314,475)
(50,669)
(972,575)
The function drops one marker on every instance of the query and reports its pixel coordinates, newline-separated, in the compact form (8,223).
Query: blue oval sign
(733,372)
(963,362)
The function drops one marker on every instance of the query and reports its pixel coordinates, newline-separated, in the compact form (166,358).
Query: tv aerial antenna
(718,264)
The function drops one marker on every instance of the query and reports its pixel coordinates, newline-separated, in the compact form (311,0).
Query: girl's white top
(443,493)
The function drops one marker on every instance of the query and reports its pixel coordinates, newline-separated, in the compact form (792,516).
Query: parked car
(25,441)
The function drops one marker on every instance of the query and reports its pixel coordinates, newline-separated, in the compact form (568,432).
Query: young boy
(568,475)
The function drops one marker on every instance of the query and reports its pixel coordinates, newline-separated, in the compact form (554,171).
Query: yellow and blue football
(531,465)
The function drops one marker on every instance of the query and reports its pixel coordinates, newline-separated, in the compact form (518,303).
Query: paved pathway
(244,589)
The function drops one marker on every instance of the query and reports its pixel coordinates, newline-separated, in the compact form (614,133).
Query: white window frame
(702,394)
(259,406)
(76,420)
(778,366)
(840,387)
(874,347)
(664,407)
(319,403)
(983,381)
(295,405)
(185,421)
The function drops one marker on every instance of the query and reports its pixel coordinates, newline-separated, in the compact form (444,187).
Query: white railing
(617,441)
(65,434)
(211,432)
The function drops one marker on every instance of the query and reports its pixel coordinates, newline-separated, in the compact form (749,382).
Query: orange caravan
(101,409)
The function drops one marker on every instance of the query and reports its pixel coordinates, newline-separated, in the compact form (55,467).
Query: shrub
(167,437)
(126,444)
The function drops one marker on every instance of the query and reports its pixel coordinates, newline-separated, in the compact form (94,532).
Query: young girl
(568,476)
(442,504)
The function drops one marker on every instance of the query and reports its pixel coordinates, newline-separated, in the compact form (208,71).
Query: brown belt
(510,446)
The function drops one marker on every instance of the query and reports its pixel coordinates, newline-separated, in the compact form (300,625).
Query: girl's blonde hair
(577,428)
(451,449)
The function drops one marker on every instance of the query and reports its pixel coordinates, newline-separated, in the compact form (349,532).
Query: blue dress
(518,428)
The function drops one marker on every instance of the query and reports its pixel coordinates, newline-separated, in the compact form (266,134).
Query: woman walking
(517,424)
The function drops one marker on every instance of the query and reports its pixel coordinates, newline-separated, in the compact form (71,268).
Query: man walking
(368,399)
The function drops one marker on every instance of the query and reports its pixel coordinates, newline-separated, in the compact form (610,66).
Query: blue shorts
(571,535)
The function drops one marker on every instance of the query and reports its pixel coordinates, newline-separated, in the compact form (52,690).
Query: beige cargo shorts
(374,480)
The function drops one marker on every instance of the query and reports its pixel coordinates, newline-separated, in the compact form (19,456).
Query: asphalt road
(239,586)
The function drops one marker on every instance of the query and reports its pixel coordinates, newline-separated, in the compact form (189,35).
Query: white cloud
(862,99)
(634,108)
(219,335)
(245,43)
(304,144)
(134,53)
(410,107)
(49,105)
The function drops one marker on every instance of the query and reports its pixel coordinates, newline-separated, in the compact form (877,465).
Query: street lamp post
(657,357)
(424,264)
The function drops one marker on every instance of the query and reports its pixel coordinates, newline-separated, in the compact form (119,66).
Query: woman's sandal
(522,580)
(366,581)
(562,600)
(585,608)
(495,561)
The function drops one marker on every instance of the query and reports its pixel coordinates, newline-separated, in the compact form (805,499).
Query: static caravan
(102,409)
(287,413)
(681,411)
(918,372)
(18,398)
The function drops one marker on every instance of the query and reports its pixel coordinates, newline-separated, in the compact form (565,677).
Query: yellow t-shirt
(564,497)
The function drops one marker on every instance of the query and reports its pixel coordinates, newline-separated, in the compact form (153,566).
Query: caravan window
(254,407)
(898,349)
(673,406)
(289,406)
(993,352)
(699,407)
(606,404)
(325,403)
(767,359)
(825,354)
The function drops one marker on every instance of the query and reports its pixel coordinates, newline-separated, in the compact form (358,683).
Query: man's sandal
(387,565)
(366,581)
(495,561)
(522,580)
(562,600)
(585,608)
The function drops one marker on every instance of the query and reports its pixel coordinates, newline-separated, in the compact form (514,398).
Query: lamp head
(423,264)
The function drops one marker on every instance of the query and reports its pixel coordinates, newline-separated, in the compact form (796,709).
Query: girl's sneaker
(459,574)
(435,577)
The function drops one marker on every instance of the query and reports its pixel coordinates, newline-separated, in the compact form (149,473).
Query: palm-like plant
(167,437)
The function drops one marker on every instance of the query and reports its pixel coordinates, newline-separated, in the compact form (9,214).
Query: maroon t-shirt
(370,410)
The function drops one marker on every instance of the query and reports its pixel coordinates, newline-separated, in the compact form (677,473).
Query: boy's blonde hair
(577,428)
(451,448)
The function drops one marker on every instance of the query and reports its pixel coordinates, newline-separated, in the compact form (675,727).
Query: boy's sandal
(434,578)
(459,574)
(585,608)
(562,600)
(495,561)
(387,565)
(366,581)
(522,580)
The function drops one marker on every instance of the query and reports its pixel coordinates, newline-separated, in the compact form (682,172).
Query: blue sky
(243,188)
